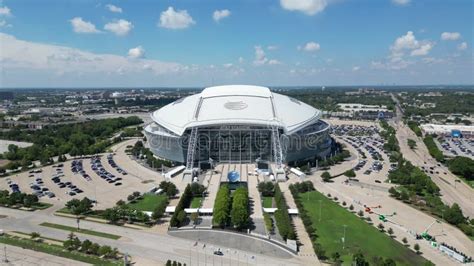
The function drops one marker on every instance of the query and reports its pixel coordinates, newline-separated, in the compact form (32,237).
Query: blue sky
(146,43)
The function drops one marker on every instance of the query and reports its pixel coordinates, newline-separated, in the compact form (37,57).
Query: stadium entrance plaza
(141,244)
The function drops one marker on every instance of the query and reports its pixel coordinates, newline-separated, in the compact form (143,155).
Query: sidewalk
(306,249)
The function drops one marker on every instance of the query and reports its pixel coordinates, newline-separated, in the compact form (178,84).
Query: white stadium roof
(235,104)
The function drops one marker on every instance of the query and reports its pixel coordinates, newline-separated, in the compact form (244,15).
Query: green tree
(404,240)
(112,215)
(240,208)
(462,166)
(86,245)
(393,192)
(358,259)
(411,143)
(454,215)
(350,173)
(326,176)
(222,207)
(105,251)
(390,231)
(417,248)
(94,249)
(35,235)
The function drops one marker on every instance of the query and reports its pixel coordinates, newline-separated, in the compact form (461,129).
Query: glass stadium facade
(238,124)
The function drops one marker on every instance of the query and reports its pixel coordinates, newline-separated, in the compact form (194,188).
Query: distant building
(362,111)
(448,130)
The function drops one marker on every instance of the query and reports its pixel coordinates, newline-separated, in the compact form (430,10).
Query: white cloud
(114,9)
(220,14)
(5,11)
(308,7)
(356,68)
(462,46)
(172,19)
(432,60)
(4,24)
(260,58)
(228,65)
(401,2)
(450,36)
(408,42)
(310,47)
(272,47)
(120,27)
(81,26)
(137,52)
(424,49)
(30,56)
(404,42)
(274,62)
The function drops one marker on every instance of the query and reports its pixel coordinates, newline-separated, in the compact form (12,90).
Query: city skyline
(274,43)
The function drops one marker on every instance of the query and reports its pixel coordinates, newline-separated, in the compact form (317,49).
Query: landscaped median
(82,231)
(339,236)
(56,250)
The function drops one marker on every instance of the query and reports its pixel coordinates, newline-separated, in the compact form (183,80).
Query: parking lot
(95,178)
(374,164)
(457,147)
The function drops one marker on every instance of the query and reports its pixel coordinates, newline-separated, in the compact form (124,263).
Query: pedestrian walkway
(306,247)
(212,188)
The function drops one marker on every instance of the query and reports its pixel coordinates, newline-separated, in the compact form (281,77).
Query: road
(451,191)
(147,246)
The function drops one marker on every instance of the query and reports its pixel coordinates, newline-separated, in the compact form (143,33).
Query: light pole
(344,237)
(320,201)
(5,253)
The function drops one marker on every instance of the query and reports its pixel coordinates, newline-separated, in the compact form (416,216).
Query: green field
(55,251)
(83,231)
(267,202)
(196,202)
(149,202)
(359,234)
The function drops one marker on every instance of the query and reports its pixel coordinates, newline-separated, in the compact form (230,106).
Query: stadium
(238,124)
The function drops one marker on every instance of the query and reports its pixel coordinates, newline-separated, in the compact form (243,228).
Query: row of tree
(418,189)
(462,166)
(73,243)
(433,149)
(295,190)
(17,199)
(179,216)
(240,214)
(140,151)
(222,206)
(282,218)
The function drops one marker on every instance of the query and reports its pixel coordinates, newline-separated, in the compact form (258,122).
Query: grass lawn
(196,202)
(359,234)
(55,251)
(149,202)
(469,182)
(42,205)
(83,231)
(267,202)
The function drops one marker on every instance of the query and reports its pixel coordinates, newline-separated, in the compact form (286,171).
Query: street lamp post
(344,238)
(5,253)
(320,201)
